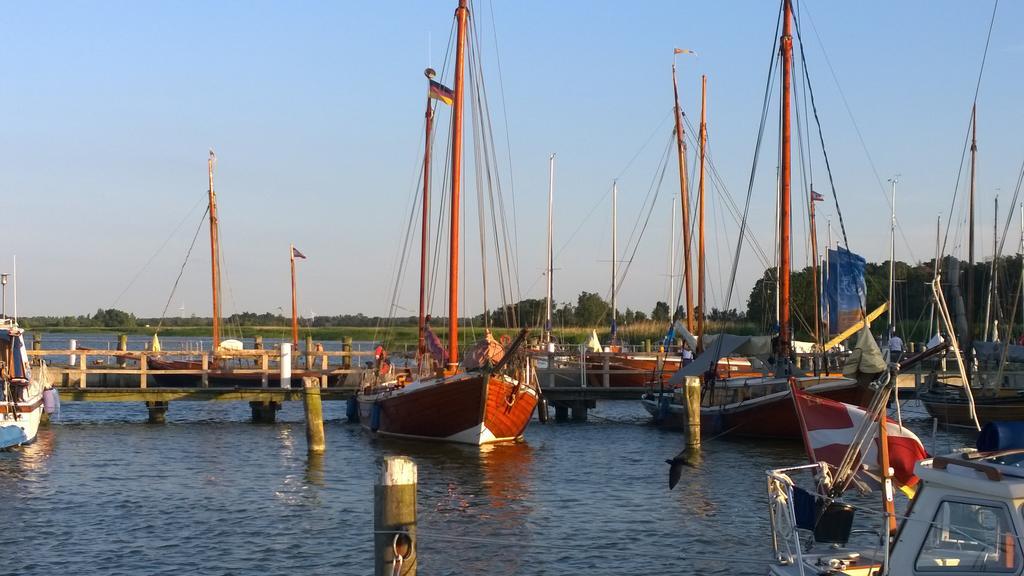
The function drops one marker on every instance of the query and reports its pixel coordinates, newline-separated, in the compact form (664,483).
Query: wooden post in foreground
(394,518)
(315,441)
(693,411)
(346,346)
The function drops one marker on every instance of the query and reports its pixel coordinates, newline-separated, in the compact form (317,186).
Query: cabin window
(969,537)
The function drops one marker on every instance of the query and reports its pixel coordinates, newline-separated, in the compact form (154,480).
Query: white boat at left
(21,395)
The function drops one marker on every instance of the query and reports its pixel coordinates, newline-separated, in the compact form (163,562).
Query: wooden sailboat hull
(641,370)
(955,411)
(470,408)
(769,416)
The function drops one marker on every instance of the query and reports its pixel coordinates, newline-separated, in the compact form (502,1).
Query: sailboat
(759,406)
(220,369)
(992,369)
(23,395)
(489,397)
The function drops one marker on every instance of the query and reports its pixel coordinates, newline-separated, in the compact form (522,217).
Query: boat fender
(375,417)
(352,410)
(51,401)
(996,436)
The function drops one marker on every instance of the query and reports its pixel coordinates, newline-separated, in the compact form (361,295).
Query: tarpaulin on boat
(865,357)
(845,289)
(21,363)
(993,351)
(718,346)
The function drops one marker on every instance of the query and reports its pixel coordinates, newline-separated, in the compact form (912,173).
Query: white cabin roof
(996,474)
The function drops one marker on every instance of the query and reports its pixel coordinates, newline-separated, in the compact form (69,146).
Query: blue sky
(315,111)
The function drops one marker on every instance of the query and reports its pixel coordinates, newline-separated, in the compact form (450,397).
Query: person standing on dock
(895,347)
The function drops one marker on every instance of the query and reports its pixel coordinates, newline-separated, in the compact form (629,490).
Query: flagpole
(295,310)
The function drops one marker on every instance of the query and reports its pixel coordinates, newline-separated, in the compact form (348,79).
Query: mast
(461,16)
(814,273)
(615,249)
(892,254)
(700,212)
(684,198)
(990,302)
(784,195)
(295,308)
(214,254)
(825,276)
(551,253)
(672,258)
(969,340)
(421,343)
(935,274)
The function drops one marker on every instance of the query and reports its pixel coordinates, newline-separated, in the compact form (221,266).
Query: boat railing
(786,535)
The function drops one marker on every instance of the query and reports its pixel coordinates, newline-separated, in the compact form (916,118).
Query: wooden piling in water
(309,352)
(258,343)
(37,342)
(346,346)
(264,411)
(157,411)
(693,411)
(394,518)
(315,440)
(122,346)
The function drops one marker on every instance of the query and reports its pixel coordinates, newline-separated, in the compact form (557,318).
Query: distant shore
(635,333)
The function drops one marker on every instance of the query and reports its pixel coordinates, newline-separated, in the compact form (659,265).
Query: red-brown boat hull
(774,416)
(467,408)
(641,370)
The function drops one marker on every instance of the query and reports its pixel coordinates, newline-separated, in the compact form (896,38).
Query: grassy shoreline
(635,333)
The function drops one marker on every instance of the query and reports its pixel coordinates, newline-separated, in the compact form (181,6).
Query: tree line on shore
(912,296)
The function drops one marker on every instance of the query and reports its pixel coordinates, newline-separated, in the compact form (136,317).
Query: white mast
(892,254)
(615,250)
(551,254)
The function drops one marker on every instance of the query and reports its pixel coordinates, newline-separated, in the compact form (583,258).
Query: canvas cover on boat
(993,351)
(718,346)
(865,357)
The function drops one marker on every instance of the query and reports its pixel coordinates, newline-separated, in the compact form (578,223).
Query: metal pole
(615,251)
(551,253)
(892,254)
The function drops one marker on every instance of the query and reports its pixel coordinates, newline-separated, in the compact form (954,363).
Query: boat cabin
(966,518)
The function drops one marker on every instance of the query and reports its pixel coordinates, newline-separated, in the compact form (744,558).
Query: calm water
(102,492)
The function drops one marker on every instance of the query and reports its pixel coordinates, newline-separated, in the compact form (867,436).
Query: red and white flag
(829,427)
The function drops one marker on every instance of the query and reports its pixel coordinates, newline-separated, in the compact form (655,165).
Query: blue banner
(845,290)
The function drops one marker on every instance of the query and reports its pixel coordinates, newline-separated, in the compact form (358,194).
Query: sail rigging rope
(753,169)
(970,123)
(181,271)
(166,241)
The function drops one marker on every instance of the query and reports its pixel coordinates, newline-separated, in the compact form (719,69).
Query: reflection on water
(211,493)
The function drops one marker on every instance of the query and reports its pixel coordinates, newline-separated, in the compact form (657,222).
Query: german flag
(441,92)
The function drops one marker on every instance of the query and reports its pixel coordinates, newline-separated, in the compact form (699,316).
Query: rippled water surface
(103,492)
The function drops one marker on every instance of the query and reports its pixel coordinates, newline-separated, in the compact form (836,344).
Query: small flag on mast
(441,92)
(297,254)
(816,196)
